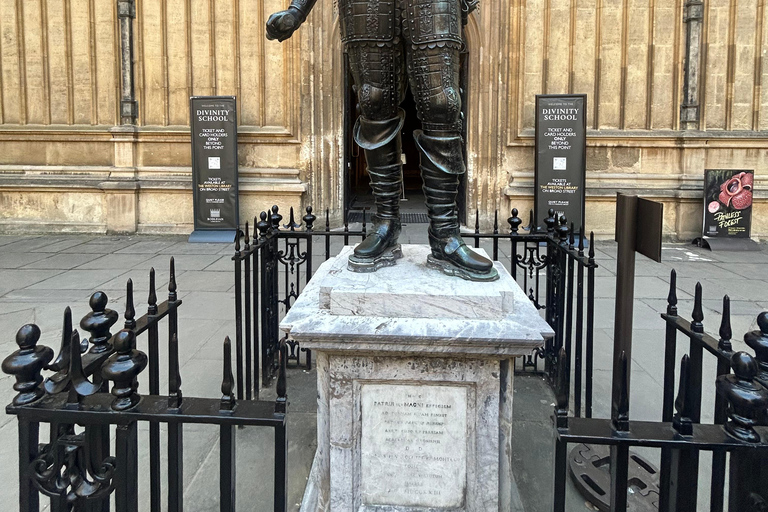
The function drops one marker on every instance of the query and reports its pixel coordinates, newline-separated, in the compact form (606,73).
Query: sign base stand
(212,236)
(726,244)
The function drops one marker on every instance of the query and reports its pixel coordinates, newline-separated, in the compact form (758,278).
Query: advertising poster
(214,166)
(560,157)
(727,203)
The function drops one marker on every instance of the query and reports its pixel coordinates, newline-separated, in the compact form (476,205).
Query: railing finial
(747,400)
(98,322)
(309,219)
(514,222)
(26,364)
(758,341)
(123,368)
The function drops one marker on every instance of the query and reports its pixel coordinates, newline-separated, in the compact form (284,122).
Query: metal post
(127,487)
(626,235)
(126,12)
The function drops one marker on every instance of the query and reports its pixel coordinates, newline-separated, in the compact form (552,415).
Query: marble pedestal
(414,376)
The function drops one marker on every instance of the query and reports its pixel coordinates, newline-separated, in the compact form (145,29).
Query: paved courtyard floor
(41,275)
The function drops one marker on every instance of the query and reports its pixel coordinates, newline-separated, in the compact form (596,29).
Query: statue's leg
(434,78)
(378,73)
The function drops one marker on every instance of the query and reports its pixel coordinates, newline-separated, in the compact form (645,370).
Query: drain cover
(590,467)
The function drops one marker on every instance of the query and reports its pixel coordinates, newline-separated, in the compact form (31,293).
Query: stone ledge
(516,332)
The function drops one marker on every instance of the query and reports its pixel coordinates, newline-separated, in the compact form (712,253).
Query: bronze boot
(441,165)
(382,145)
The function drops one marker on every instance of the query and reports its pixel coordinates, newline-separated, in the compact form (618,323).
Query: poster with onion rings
(728,203)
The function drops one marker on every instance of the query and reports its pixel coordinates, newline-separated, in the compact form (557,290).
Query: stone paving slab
(77,265)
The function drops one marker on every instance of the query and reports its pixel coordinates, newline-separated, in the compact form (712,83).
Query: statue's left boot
(442,162)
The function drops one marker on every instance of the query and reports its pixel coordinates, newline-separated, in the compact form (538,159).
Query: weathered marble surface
(450,342)
(413,450)
(343,310)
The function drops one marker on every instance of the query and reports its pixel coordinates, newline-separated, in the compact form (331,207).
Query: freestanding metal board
(213,120)
(561,152)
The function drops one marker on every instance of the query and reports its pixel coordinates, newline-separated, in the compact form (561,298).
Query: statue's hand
(283,24)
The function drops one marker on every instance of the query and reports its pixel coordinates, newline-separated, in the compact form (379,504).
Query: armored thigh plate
(432,22)
(370,21)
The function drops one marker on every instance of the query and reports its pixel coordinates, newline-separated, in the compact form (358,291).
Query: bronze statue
(387,41)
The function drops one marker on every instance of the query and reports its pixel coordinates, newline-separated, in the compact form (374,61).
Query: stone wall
(69,161)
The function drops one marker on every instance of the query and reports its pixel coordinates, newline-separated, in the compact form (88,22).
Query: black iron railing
(568,287)
(77,468)
(740,417)
(270,272)
(550,264)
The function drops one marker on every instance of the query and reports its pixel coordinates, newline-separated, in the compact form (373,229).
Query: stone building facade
(94,113)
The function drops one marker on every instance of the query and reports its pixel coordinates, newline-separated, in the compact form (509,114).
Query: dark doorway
(357,191)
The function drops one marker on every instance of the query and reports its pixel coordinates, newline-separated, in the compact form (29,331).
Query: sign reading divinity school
(214,168)
(561,152)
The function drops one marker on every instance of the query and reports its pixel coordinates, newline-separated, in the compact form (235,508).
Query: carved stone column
(689,110)
(126,12)
(121,190)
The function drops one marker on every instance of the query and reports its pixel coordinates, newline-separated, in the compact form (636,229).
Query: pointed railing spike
(672,295)
(531,222)
(571,238)
(172,295)
(327,219)
(62,359)
(684,403)
(292,224)
(247,236)
(130,310)
(697,315)
(238,234)
(591,247)
(496,222)
(59,381)
(581,240)
(152,298)
(227,381)
(725,331)
(81,386)
(477,220)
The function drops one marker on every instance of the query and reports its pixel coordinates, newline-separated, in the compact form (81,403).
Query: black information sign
(214,168)
(561,152)
(727,203)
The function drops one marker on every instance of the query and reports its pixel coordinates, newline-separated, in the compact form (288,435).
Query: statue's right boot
(383,149)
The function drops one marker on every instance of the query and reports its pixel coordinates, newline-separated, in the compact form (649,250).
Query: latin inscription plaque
(414,445)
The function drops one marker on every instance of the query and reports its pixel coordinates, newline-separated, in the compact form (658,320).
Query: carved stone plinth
(415,372)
